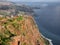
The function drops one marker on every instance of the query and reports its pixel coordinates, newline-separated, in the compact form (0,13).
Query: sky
(37,0)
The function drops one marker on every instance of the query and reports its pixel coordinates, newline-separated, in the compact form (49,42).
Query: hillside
(20,30)
(10,8)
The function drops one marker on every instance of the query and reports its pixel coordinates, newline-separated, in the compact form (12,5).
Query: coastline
(50,41)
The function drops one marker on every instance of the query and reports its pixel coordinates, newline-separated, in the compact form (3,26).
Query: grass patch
(20,18)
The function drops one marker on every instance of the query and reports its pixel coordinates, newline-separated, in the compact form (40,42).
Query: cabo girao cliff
(20,30)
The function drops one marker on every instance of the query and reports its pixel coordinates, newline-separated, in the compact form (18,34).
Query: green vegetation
(10,20)
(23,34)
(5,23)
(7,33)
(4,39)
(15,25)
(46,41)
(20,18)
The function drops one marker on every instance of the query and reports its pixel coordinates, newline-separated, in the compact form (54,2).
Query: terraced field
(20,30)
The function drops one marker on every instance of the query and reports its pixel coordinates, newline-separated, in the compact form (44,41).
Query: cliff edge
(20,30)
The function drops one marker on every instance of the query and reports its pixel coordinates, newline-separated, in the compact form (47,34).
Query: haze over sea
(48,19)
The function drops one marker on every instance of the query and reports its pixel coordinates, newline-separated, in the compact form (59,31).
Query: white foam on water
(50,41)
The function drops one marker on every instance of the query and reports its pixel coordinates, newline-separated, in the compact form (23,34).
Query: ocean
(48,19)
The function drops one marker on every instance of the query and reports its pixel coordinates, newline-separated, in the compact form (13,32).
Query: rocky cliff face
(20,30)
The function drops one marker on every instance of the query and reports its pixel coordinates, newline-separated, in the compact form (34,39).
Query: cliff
(20,30)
